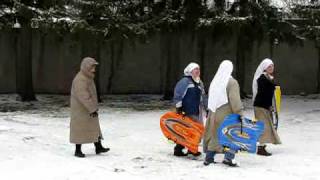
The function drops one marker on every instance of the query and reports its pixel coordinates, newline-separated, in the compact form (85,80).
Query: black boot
(229,159)
(178,150)
(78,152)
(209,158)
(194,154)
(262,151)
(100,148)
(230,163)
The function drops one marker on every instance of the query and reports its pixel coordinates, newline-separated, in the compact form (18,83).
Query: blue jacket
(190,96)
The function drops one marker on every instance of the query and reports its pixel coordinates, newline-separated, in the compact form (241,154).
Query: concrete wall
(152,65)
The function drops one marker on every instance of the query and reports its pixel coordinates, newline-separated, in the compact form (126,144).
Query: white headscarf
(260,70)
(218,87)
(188,70)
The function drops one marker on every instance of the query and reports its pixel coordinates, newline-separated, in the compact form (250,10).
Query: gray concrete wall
(297,67)
(154,65)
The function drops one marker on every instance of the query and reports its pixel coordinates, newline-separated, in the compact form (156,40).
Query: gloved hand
(241,118)
(207,113)
(94,114)
(272,109)
(254,120)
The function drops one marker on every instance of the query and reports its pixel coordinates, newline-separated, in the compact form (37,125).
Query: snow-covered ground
(34,143)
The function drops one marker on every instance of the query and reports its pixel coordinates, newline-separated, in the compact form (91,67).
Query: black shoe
(229,163)
(209,158)
(100,148)
(79,154)
(195,154)
(262,151)
(209,161)
(178,151)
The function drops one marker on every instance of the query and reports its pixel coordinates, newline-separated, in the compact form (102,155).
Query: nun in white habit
(224,99)
(263,87)
(189,99)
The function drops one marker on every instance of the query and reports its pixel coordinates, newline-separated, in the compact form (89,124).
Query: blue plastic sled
(229,133)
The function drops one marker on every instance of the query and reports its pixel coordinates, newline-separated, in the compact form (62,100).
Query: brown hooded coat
(83,102)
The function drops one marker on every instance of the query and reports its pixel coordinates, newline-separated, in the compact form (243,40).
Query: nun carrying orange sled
(189,100)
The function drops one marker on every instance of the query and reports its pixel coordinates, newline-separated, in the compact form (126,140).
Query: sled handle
(241,124)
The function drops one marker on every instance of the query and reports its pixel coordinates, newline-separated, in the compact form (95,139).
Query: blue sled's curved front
(230,134)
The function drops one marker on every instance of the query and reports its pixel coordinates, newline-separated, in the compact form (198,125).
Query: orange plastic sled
(182,130)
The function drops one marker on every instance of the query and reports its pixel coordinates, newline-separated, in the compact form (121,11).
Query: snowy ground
(34,143)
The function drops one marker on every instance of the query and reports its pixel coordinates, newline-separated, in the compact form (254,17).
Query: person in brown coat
(224,99)
(84,124)
(263,87)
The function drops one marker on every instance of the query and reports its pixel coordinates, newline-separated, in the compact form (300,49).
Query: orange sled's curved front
(182,130)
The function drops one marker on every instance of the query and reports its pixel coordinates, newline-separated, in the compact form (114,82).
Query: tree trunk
(111,74)
(168,92)
(271,46)
(170,57)
(201,51)
(24,64)
(97,78)
(91,48)
(240,67)
(244,8)
(318,69)
(116,49)
(39,69)
(219,5)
